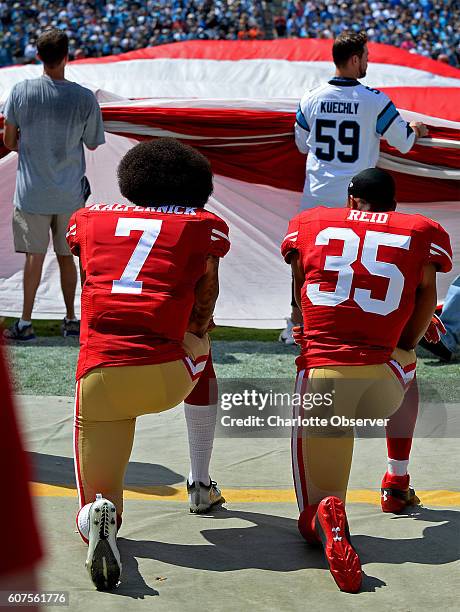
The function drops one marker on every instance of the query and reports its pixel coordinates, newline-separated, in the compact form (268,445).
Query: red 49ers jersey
(362,270)
(142,266)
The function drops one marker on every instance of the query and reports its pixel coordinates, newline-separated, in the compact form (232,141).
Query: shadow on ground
(55,470)
(273,544)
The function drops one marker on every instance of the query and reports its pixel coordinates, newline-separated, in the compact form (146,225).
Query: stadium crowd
(106,27)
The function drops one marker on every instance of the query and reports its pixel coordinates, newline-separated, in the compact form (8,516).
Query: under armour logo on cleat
(337,538)
(385,496)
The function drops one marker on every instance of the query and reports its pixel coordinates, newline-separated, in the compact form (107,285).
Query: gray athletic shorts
(32,232)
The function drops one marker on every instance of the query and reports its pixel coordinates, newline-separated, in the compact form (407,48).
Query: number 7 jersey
(362,270)
(141,267)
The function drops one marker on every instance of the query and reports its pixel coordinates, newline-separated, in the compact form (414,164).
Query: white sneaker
(286,334)
(201,498)
(103,560)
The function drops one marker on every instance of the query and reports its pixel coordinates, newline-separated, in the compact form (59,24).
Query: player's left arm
(425,305)
(396,131)
(207,288)
(206,294)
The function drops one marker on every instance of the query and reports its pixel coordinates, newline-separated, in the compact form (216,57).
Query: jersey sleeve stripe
(386,118)
(300,119)
(290,235)
(221,234)
(437,250)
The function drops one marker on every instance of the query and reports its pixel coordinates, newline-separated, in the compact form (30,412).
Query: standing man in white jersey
(340,124)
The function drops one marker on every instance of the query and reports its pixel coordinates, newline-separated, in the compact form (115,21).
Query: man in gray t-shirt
(48,120)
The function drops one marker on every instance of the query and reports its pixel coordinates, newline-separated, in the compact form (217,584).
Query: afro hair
(164,171)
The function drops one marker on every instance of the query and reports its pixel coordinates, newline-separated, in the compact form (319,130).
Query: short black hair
(347,44)
(376,187)
(52,47)
(164,170)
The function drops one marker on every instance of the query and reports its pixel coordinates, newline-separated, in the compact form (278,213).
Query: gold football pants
(322,453)
(108,401)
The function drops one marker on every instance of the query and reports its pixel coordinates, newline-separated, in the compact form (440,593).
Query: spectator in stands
(105,27)
(427,27)
(47,120)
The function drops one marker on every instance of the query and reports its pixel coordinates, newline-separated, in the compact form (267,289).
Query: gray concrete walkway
(248,556)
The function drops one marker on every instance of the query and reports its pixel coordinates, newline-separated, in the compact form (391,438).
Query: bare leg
(32,276)
(69,279)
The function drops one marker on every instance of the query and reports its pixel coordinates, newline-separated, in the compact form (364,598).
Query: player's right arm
(396,131)
(301,130)
(425,305)
(298,276)
(438,259)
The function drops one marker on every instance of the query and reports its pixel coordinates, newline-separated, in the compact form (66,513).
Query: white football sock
(22,324)
(83,521)
(201,424)
(397,467)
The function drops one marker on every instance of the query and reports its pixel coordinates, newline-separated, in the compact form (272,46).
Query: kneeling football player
(365,279)
(149,272)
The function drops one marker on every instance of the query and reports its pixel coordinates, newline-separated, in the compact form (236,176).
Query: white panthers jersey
(339,125)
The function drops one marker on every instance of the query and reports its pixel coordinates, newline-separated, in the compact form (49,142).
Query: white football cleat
(286,335)
(103,560)
(202,498)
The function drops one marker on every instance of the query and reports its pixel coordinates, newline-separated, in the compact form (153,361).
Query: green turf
(49,329)
(47,366)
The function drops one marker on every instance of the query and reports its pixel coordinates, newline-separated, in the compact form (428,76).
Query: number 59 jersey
(141,267)
(340,125)
(362,270)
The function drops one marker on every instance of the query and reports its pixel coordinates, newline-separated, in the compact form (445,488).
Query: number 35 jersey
(340,125)
(141,267)
(362,270)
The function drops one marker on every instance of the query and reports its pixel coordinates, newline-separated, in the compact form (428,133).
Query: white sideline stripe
(199,367)
(221,234)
